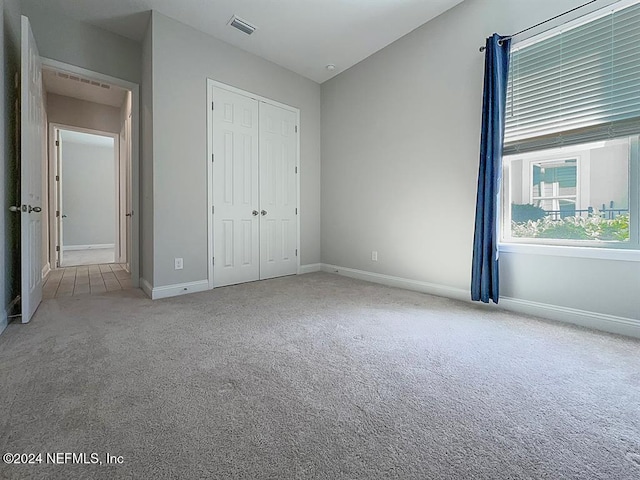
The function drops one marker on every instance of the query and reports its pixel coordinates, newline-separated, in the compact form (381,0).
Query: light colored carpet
(316,377)
(91,256)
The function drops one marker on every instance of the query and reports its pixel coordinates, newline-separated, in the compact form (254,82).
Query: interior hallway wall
(80,113)
(88,194)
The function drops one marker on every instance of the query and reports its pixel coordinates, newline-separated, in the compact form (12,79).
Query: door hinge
(213,156)
(296,169)
(212,106)
(296,252)
(57,248)
(296,128)
(57,178)
(213,210)
(213,260)
(57,143)
(296,210)
(57,213)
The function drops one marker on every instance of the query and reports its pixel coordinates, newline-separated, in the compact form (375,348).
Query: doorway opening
(89,179)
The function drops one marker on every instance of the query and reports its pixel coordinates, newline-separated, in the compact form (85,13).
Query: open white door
(31,141)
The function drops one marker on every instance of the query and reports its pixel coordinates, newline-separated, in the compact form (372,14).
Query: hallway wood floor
(85,280)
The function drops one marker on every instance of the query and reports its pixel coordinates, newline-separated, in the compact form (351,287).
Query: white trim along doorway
(59,245)
(265,231)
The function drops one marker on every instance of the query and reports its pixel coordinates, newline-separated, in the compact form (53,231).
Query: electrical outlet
(374,256)
(178,263)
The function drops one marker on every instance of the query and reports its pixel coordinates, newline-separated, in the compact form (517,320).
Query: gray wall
(66,40)
(400,147)
(9,222)
(88,194)
(146,159)
(79,113)
(183,59)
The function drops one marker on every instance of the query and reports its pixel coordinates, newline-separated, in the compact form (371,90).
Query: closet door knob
(254,213)
(263,212)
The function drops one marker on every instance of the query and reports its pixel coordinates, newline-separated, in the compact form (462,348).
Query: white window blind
(580,84)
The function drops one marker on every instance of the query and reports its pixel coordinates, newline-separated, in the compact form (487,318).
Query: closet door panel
(278,192)
(235,189)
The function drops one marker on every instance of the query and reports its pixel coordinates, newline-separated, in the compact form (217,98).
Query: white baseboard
(69,248)
(584,318)
(178,289)
(389,280)
(46,270)
(146,287)
(310,268)
(4,321)
(594,320)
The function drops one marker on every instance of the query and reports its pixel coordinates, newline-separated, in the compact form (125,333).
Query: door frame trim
(53,170)
(134,88)
(211,84)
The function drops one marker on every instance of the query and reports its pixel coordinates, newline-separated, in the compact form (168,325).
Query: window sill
(625,255)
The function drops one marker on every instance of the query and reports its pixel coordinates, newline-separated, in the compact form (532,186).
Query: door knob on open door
(255,213)
(263,212)
(34,209)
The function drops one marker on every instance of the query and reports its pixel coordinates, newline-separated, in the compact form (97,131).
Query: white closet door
(235,189)
(278,192)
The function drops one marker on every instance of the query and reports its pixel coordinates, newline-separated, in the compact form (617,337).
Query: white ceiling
(301,35)
(82,88)
(85,139)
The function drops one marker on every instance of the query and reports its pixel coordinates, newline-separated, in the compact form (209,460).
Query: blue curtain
(485,284)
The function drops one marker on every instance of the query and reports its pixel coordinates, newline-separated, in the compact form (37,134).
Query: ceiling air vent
(66,76)
(242,25)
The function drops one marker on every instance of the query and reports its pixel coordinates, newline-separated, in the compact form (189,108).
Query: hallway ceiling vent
(75,78)
(242,25)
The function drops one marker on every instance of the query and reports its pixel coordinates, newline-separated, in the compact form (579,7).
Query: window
(571,159)
(576,195)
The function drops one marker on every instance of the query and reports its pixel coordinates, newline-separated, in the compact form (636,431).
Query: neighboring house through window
(554,186)
(571,167)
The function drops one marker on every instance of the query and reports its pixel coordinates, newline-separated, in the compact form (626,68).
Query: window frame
(630,129)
